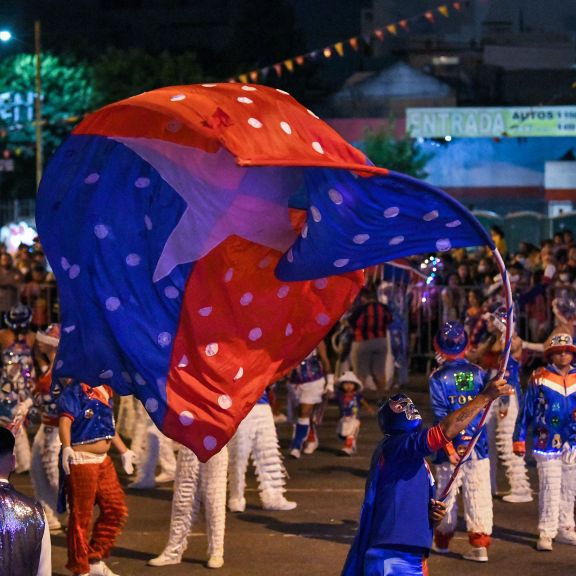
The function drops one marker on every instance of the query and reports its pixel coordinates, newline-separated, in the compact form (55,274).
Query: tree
(119,74)
(67,94)
(399,155)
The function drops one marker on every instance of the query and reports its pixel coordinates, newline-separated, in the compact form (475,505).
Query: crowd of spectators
(466,285)
(25,277)
(543,281)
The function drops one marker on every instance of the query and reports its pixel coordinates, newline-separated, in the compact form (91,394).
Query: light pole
(38,102)
(6,36)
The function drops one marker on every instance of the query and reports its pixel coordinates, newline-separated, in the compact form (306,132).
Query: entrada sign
(491,122)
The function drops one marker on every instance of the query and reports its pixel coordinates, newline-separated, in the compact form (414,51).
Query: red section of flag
(240,330)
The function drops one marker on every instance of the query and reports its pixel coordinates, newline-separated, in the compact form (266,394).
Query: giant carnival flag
(205,238)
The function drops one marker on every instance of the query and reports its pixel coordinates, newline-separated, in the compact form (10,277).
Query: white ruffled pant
(198,484)
(256,436)
(557,481)
(151,448)
(474,481)
(500,432)
(22,451)
(44,470)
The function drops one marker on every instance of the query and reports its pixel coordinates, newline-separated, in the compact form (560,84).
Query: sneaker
(55,528)
(311,442)
(100,569)
(279,504)
(165,559)
(236,504)
(544,543)
(215,561)
(142,485)
(479,554)
(439,550)
(347,451)
(295,453)
(310,447)
(516,498)
(566,537)
(280,418)
(164,477)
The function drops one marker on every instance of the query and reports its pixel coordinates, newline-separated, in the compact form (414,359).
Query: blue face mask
(399,415)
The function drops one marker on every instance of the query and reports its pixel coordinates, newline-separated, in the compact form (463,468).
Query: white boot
(167,558)
(479,554)
(544,543)
(216,560)
(566,537)
(276,501)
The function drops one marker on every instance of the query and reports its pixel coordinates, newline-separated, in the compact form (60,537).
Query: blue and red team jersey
(370,320)
(395,512)
(309,370)
(452,386)
(91,412)
(549,408)
(348,403)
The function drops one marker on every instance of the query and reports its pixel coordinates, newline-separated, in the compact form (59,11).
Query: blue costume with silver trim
(452,386)
(549,407)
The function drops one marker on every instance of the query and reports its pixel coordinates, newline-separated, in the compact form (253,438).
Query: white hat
(349,376)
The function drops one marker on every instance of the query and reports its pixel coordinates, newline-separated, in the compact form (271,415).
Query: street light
(6,36)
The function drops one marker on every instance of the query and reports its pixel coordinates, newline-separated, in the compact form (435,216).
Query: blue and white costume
(349,403)
(17,382)
(307,383)
(452,386)
(549,408)
(256,437)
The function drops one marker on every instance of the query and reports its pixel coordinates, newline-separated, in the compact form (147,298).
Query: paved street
(313,539)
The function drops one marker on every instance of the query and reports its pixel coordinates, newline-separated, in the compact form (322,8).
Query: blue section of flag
(355,222)
(108,214)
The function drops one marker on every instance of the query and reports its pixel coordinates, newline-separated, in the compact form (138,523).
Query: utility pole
(38,103)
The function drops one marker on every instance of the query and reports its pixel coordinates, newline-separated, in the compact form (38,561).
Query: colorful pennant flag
(328,51)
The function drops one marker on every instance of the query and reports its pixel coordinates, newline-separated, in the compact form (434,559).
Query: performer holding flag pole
(400,509)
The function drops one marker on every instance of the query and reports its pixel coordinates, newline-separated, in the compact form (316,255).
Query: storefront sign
(16,108)
(491,122)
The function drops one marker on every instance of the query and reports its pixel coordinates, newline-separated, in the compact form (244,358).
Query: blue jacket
(91,412)
(452,386)
(549,407)
(395,512)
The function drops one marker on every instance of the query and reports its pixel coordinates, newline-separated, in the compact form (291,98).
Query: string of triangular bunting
(260,75)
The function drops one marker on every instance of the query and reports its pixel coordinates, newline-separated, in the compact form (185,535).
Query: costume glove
(128,460)
(67,455)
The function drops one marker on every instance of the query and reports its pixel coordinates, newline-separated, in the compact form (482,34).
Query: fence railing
(17,210)
(527,226)
(42,300)
(427,310)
